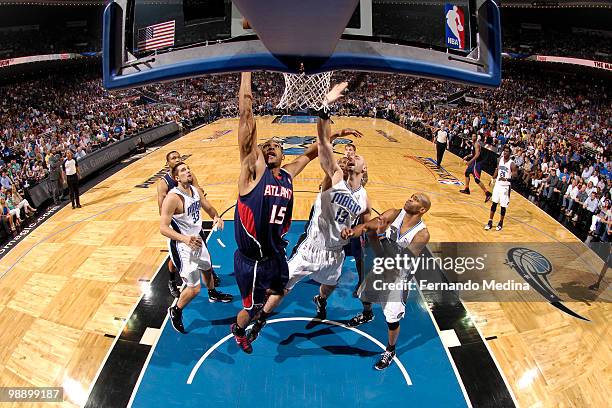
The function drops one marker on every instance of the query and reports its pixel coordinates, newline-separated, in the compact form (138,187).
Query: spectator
(56,179)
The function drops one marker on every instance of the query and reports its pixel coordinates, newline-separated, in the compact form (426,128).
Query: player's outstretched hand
(218,223)
(349,131)
(346,233)
(335,93)
(193,242)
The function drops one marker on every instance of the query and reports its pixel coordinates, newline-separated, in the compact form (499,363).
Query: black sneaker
(174,290)
(321,305)
(465,191)
(360,319)
(242,341)
(489,225)
(500,226)
(215,296)
(176,318)
(254,332)
(216,279)
(385,361)
(488,196)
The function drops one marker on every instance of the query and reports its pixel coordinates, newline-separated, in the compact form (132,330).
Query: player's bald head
(418,203)
(424,200)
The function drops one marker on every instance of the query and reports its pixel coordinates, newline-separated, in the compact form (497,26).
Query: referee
(70,168)
(441,140)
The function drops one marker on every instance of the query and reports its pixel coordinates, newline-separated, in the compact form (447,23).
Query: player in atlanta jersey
(263,214)
(506,170)
(474,162)
(182,224)
(166,184)
(338,206)
(396,230)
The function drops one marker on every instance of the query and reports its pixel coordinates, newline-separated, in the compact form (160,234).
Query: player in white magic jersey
(338,206)
(396,228)
(166,184)
(506,170)
(182,224)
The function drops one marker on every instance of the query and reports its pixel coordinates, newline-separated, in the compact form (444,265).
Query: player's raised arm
(326,151)
(296,166)
(251,158)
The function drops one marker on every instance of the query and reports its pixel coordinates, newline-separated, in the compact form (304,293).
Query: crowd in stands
(559,125)
(558,43)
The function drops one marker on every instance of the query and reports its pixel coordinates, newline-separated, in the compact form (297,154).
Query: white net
(305,91)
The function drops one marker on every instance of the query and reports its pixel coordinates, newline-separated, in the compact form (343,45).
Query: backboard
(146,41)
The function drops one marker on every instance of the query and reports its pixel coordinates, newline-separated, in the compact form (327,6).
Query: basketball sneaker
(176,318)
(321,305)
(488,196)
(253,333)
(215,296)
(489,225)
(465,191)
(242,341)
(500,226)
(174,290)
(385,361)
(361,318)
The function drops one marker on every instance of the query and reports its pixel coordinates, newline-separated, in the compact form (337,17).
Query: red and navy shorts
(255,278)
(474,170)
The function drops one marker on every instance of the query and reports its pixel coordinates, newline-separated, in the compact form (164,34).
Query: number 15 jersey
(263,216)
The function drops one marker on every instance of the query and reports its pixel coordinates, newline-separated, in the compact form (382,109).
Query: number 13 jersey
(263,216)
(335,209)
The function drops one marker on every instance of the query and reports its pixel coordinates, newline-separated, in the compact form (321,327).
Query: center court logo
(297,145)
(455,27)
(535,269)
(440,173)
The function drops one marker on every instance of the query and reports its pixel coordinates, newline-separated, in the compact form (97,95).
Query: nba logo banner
(455,27)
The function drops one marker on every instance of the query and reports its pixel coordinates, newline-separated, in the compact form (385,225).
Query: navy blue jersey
(170,181)
(480,157)
(264,215)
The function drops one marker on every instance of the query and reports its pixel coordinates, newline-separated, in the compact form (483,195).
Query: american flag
(156,36)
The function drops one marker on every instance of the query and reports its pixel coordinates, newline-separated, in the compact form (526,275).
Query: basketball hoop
(305,91)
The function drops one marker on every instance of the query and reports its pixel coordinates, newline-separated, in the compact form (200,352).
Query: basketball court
(84,297)
(84,301)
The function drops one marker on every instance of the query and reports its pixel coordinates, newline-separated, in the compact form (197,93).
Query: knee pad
(503,211)
(494,207)
(393,326)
